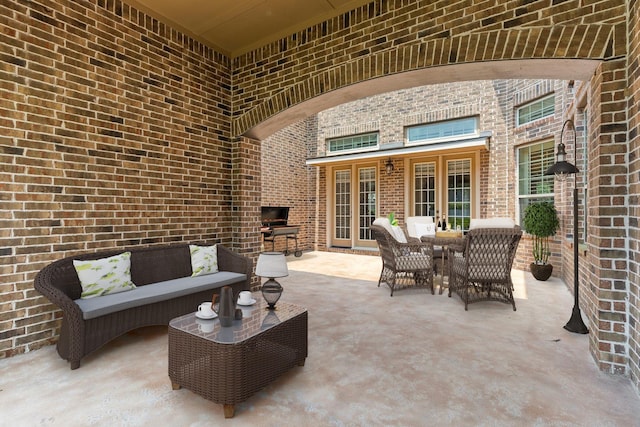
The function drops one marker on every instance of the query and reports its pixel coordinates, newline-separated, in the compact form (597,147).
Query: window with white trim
(352,142)
(424,187)
(432,132)
(533,184)
(536,110)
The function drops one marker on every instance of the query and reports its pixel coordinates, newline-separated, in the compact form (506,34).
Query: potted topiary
(541,221)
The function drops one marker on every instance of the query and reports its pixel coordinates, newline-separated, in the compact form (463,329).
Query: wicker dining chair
(404,264)
(481,267)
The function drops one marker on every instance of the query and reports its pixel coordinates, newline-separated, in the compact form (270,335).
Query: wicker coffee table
(228,365)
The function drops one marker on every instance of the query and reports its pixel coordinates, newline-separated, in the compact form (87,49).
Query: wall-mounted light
(388,166)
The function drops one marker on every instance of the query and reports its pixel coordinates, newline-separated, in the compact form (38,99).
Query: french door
(444,185)
(354,205)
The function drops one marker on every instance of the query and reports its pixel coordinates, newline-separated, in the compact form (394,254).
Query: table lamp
(271,265)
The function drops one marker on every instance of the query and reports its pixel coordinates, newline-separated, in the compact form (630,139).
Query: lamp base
(575,324)
(271,292)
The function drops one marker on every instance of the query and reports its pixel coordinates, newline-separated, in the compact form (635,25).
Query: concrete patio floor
(415,359)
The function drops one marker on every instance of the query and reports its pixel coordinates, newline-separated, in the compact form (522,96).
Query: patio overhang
(480,141)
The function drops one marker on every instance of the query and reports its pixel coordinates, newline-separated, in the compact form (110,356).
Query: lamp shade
(561,168)
(272,264)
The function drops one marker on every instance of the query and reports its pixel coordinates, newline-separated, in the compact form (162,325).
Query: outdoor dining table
(444,239)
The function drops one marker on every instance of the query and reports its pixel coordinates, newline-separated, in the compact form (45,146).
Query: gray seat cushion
(161,291)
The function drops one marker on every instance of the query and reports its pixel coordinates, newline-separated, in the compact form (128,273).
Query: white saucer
(253,301)
(202,316)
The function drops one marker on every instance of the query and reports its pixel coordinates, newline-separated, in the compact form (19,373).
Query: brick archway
(595,42)
(360,54)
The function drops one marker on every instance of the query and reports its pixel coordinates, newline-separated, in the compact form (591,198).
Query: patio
(414,359)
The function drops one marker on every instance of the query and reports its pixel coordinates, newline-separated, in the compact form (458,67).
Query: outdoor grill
(275,223)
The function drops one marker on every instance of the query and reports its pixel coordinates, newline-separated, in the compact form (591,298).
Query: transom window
(536,110)
(352,142)
(533,185)
(442,130)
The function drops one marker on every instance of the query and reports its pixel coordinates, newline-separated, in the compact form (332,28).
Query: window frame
(442,137)
(532,103)
(354,148)
(545,163)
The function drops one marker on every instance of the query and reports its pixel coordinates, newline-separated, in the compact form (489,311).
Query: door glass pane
(425,189)
(343,204)
(459,193)
(366,201)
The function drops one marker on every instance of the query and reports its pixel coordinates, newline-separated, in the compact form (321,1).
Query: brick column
(604,280)
(246,198)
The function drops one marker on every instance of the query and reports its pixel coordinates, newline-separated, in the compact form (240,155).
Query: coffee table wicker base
(229,373)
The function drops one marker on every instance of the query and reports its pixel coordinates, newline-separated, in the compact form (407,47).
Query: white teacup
(245,297)
(205,309)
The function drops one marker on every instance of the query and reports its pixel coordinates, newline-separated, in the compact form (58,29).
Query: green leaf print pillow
(204,259)
(105,276)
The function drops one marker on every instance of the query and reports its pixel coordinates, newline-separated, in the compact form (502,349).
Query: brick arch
(491,54)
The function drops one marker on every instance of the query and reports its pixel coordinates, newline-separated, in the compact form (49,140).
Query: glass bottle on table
(444,223)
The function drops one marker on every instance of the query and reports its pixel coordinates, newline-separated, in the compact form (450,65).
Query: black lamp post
(561,168)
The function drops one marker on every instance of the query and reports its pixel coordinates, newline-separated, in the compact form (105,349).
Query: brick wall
(114,133)
(116,129)
(494,102)
(388,37)
(632,323)
(287,181)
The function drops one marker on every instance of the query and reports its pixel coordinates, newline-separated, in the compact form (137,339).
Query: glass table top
(256,318)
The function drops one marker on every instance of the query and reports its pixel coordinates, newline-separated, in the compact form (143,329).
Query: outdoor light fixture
(389,166)
(560,169)
(271,265)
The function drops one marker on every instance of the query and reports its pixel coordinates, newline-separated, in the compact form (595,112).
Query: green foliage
(392,218)
(541,221)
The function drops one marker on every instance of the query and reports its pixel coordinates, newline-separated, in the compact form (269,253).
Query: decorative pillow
(204,259)
(105,276)
(423,229)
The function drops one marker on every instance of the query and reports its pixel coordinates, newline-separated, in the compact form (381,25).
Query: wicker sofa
(164,290)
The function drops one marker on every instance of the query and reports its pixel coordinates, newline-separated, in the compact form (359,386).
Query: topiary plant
(541,221)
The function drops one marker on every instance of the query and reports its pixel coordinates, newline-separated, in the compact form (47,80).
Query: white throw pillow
(204,259)
(104,276)
(423,229)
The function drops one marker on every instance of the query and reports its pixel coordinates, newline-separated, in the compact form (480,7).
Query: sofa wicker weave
(403,264)
(481,267)
(164,291)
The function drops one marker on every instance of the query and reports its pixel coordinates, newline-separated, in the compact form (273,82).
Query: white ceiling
(235,27)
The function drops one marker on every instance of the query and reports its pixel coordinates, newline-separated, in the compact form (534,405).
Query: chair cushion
(155,292)
(424,230)
(415,226)
(491,223)
(394,230)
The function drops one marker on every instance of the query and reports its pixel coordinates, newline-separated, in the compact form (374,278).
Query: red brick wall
(287,181)
(632,324)
(115,133)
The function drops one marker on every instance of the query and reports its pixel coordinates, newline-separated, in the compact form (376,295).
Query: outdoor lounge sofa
(164,289)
